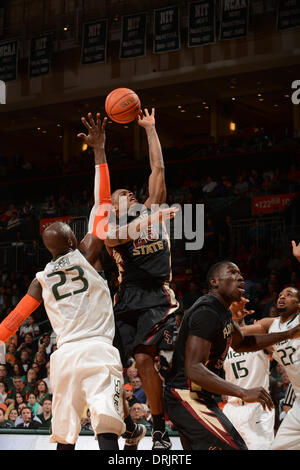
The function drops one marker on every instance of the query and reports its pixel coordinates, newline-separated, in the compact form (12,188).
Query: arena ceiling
(254,99)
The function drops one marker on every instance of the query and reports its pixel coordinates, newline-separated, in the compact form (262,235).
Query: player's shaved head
(215,271)
(59,239)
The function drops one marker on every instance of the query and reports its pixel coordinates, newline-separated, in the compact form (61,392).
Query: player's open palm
(238,309)
(146,120)
(96,131)
(260,395)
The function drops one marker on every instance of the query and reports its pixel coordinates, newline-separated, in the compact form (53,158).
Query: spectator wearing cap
(128,389)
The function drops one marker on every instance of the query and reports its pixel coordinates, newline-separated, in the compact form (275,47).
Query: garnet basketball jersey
(287,352)
(77,299)
(247,370)
(146,258)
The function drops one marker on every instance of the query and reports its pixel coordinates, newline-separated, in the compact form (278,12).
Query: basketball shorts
(254,424)
(200,423)
(288,434)
(144,316)
(86,373)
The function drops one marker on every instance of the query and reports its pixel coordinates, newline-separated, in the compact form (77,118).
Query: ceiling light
(84,147)
(125,127)
(66,28)
(198,116)
(203,102)
(260,99)
(58,125)
(206,107)
(232,126)
(286,95)
(182,110)
(179,106)
(233,98)
(258,94)
(275,105)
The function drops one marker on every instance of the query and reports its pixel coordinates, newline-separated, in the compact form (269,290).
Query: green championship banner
(133,37)
(234,19)
(8,60)
(41,51)
(288,14)
(166,34)
(202,23)
(94,42)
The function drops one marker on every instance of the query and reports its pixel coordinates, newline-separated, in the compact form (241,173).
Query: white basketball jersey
(247,369)
(77,299)
(287,353)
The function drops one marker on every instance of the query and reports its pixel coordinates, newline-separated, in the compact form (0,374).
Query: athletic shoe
(133,438)
(161,441)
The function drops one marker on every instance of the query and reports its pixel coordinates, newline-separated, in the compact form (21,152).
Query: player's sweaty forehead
(290,291)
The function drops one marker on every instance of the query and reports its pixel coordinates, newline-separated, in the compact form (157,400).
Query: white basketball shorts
(255,425)
(86,373)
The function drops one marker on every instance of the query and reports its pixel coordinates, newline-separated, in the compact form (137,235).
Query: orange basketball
(122,105)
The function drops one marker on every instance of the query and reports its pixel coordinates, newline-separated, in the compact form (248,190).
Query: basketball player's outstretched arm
(132,231)
(93,242)
(28,304)
(197,355)
(157,184)
(243,339)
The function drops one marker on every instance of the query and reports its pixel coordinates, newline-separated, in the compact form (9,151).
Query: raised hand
(96,131)
(296,250)
(239,311)
(146,120)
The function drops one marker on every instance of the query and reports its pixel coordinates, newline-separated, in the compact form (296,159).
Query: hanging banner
(234,19)
(202,23)
(41,51)
(288,14)
(271,203)
(94,42)
(8,60)
(166,35)
(133,37)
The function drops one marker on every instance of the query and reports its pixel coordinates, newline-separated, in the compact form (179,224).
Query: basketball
(122,105)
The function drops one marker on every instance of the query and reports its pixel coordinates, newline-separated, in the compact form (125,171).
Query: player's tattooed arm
(157,184)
